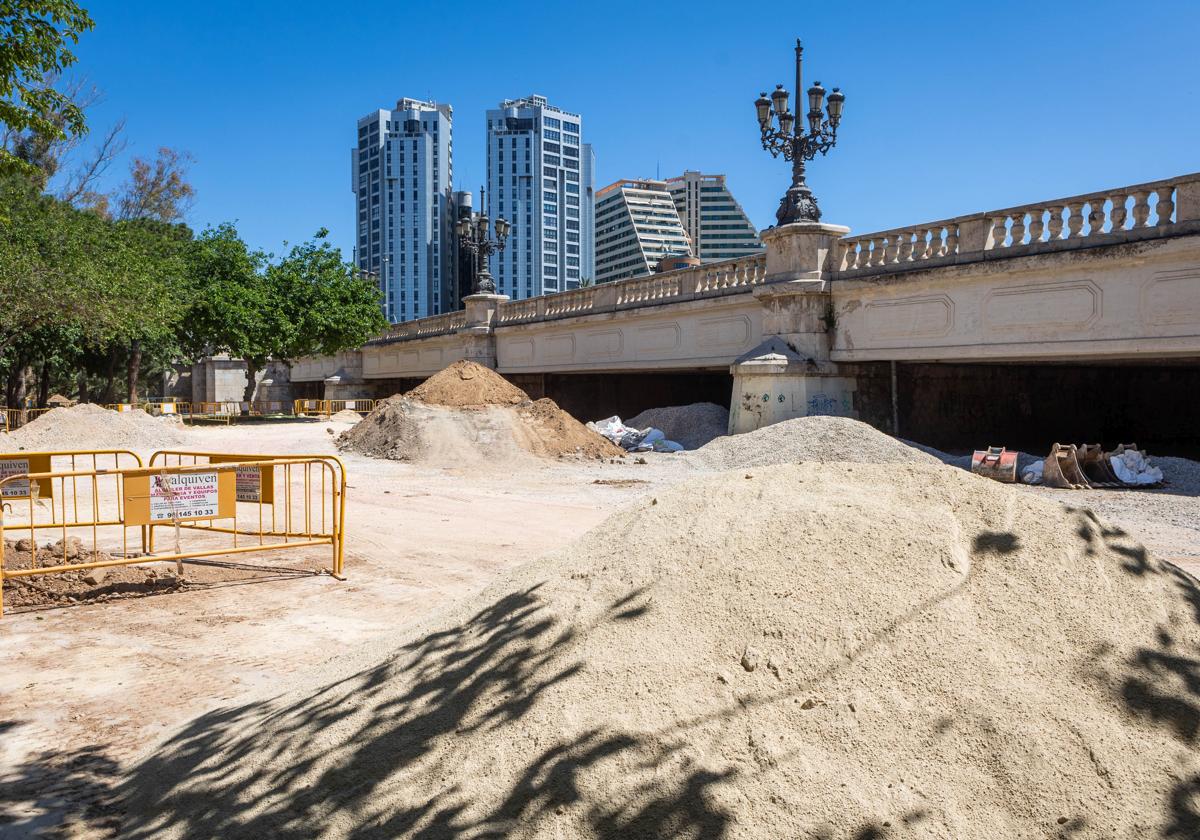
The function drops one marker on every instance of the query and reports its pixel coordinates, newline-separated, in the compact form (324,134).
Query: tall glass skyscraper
(402,176)
(541,178)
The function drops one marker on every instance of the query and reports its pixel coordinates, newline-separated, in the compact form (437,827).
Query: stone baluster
(1095,216)
(951,240)
(1141,208)
(935,242)
(906,246)
(1165,205)
(848,255)
(1056,223)
(998,232)
(1118,213)
(1018,227)
(1075,219)
(893,248)
(1037,224)
(925,243)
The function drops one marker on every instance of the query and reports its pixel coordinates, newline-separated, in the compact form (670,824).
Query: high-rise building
(716,224)
(540,177)
(402,172)
(636,226)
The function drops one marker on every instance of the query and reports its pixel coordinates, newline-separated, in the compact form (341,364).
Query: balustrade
(1057,223)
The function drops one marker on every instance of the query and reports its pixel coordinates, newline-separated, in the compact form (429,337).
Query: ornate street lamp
(797,142)
(473,236)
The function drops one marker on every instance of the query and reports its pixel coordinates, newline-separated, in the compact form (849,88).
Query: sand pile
(467,383)
(809,439)
(468,415)
(88,426)
(345,416)
(816,651)
(691,425)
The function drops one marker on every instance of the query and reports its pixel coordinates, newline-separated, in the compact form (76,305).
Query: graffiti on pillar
(824,404)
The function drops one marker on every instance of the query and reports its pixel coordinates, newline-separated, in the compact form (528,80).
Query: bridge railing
(702,281)
(447,322)
(1141,211)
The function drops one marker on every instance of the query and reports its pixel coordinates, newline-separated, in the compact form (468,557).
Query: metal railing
(214,507)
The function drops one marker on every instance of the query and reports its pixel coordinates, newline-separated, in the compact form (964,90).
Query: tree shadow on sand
(1158,684)
(483,674)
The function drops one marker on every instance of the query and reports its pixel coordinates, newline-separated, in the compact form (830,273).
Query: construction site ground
(88,687)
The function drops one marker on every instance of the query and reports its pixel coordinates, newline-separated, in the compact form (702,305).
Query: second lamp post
(473,235)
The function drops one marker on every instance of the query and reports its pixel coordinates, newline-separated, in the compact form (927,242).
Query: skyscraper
(402,172)
(716,224)
(540,177)
(636,226)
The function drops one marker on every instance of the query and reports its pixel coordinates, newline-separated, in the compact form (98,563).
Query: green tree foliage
(325,306)
(35,41)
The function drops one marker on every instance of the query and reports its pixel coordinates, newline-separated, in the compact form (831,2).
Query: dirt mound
(88,426)
(402,429)
(691,425)
(345,416)
(80,587)
(467,383)
(818,651)
(809,439)
(468,415)
(548,430)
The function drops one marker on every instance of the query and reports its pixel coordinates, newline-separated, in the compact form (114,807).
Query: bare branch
(80,183)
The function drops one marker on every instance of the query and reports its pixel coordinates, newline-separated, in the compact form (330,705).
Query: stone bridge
(820,322)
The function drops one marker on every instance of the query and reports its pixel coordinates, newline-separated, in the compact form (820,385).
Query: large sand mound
(88,426)
(467,383)
(815,651)
(809,439)
(468,415)
(690,425)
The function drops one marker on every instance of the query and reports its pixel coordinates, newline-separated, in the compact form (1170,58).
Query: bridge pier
(790,374)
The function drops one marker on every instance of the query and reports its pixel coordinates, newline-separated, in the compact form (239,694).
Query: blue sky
(951,108)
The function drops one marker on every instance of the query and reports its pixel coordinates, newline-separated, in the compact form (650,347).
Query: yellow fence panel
(211,506)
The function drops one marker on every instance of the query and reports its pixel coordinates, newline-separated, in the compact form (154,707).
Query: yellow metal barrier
(216,506)
(262,408)
(361,406)
(327,408)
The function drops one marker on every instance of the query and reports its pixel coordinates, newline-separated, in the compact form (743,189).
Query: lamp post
(473,235)
(799,143)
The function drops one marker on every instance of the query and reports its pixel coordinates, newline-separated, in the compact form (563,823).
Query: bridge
(1042,303)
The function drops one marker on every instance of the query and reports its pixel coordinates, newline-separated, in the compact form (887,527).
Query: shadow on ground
(291,768)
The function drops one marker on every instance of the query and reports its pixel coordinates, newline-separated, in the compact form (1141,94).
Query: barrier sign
(177,497)
(20,465)
(254,484)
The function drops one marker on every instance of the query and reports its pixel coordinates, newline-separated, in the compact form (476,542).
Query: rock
(73,549)
(25,545)
(95,577)
(722,677)
(750,658)
(808,704)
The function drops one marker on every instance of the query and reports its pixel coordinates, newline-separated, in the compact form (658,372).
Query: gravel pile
(88,426)
(809,439)
(691,425)
(801,651)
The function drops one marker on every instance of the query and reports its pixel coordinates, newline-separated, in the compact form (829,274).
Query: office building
(540,177)
(402,177)
(636,227)
(715,223)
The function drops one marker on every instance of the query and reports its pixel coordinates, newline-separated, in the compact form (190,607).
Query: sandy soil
(86,688)
(99,683)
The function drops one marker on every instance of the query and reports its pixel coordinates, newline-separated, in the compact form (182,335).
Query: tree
(324,306)
(157,190)
(35,40)
(231,308)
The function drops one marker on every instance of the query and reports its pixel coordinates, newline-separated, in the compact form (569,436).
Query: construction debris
(1087,466)
(692,425)
(996,463)
(634,440)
